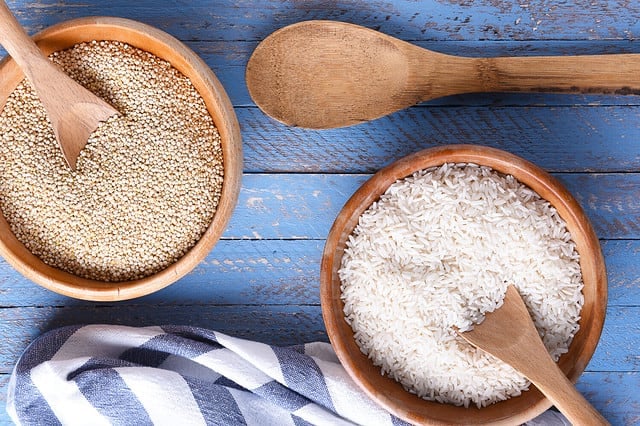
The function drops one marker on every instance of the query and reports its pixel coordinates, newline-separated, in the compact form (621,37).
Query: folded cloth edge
(111,374)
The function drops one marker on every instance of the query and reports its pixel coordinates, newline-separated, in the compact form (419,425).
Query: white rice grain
(437,251)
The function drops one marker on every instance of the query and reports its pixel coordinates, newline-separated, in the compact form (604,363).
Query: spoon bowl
(334,58)
(326,74)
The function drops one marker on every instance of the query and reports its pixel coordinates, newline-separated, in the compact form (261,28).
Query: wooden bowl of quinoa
(426,247)
(155,186)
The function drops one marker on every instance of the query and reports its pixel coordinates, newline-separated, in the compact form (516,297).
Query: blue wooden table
(261,280)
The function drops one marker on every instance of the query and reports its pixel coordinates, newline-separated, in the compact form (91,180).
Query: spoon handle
(616,73)
(19,45)
(563,394)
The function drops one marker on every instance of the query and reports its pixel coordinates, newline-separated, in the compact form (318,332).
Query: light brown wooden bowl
(161,44)
(390,393)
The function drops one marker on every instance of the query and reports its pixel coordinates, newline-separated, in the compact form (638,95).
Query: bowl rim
(68,33)
(400,402)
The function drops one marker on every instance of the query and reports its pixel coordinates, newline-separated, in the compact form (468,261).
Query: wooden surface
(261,280)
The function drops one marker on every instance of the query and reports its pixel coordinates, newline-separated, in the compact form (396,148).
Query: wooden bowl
(67,34)
(390,393)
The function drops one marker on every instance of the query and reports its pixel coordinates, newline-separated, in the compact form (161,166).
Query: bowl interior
(388,392)
(150,39)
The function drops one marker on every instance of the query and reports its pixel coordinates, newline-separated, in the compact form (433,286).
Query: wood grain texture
(323,74)
(282,272)
(274,324)
(432,19)
(565,139)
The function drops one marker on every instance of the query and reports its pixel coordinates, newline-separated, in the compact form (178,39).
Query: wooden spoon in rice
(508,333)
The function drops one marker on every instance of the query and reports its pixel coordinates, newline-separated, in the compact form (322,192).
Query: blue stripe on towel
(216,403)
(282,396)
(27,398)
(110,395)
(300,422)
(399,422)
(302,375)
(156,350)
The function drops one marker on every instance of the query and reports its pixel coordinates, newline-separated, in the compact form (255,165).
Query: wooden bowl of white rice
(429,244)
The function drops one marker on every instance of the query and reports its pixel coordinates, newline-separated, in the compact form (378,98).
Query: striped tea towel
(107,374)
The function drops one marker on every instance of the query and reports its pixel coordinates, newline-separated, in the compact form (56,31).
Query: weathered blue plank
(407,19)
(612,203)
(291,206)
(274,324)
(613,394)
(620,340)
(235,272)
(563,139)
(304,206)
(278,272)
(281,325)
(623,271)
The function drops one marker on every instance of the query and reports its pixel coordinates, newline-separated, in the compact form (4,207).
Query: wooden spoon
(508,333)
(325,74)
(74,111)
